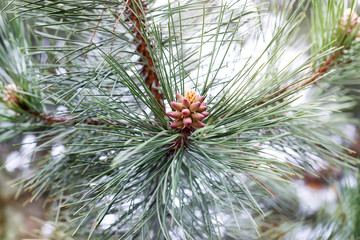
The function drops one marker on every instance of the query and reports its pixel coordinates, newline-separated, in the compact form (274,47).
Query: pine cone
(190,110)
(349,21)
(11,95)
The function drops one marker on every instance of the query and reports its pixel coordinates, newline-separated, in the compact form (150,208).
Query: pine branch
(140,170)
(136,13)
(347,31)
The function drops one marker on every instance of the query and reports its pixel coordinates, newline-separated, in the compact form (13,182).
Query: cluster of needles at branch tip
(10,95)
(160,162)
(188,113)
(190,110)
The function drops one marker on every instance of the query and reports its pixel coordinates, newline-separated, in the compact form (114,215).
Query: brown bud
(197,116)
(205,114)
(179,97)
(177,106)
(187,121)
(198,124)
(176,115)
(200,99)
(185,112)
(186,103)
(11,94)
(202,108)
(177,124)
(195,106)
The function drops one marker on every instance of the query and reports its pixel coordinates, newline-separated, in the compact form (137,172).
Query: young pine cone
(11,95)
(190,110)
(349,21)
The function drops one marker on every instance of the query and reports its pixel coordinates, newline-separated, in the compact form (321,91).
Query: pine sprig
(123,159)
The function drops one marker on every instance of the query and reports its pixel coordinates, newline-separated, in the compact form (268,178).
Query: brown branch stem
(136,15)
(50,119)
(326,66)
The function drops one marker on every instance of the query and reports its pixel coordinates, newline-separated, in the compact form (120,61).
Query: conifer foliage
(178,119)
